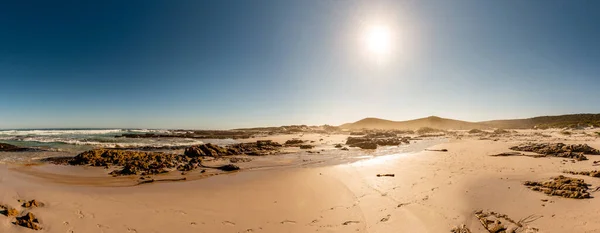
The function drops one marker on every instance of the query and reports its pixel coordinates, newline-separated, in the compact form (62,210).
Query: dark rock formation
(575,151)
(561,186)
(12,148)
(261,147)
(229,167)
(207,149)
(372,140)
(585,173)
(293,142)
(306,146)
(365,145)
(133,162)
(28,220)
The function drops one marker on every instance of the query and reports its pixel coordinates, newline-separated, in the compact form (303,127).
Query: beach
(431,191)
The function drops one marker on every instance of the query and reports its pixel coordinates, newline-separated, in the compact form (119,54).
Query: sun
(378,40)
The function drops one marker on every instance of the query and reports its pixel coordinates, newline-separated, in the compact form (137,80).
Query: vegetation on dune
(474,131)
(426,130)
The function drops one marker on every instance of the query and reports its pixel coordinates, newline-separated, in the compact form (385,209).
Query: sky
(230,64)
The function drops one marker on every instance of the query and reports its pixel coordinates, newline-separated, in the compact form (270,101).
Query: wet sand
(431,192)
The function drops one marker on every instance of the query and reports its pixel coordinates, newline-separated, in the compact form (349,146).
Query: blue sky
(228,64)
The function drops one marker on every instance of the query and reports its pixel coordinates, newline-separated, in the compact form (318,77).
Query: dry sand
(430,192)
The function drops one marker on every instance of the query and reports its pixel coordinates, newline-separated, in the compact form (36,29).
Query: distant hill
(562,121)
(432,122)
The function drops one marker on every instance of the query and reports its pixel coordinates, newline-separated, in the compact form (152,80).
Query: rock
(338,145)
(365,145)
(575,151)
(229,167)
(28,220)
(306,146)
(31,204)
(11,148)
(561,186)
(132,162)
(293,142)
(208,149)
(585,173)
(345,148)
(460,229)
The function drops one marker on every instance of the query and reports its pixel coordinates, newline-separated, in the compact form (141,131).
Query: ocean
(70,142)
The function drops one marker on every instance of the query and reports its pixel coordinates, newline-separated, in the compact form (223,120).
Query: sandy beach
(431,191)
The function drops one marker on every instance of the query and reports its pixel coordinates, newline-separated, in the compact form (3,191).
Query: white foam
(50,132)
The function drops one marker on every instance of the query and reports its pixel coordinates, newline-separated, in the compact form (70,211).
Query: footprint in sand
(350,222)
(131,230)
(228,223)
(386,218)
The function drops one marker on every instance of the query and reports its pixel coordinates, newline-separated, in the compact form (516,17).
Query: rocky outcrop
(585,173)
(293,142)
(371,141)
(561,186)
(133,162)
(260,147)
(575,151)
(365,145)
(209,150)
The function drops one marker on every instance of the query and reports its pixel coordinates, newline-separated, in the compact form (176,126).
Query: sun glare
(378,40)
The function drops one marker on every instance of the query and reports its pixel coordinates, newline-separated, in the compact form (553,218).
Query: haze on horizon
(232,64)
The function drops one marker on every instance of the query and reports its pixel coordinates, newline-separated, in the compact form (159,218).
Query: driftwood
(161,180)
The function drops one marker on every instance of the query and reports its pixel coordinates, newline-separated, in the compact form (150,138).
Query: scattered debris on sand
(28,220)
(390,175)
(593,173)
(460,229)
(8,211)
(31,204)
(561,186)
(500,223)
(574,151)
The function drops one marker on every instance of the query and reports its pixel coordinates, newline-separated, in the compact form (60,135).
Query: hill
(562,121)
(432,122)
